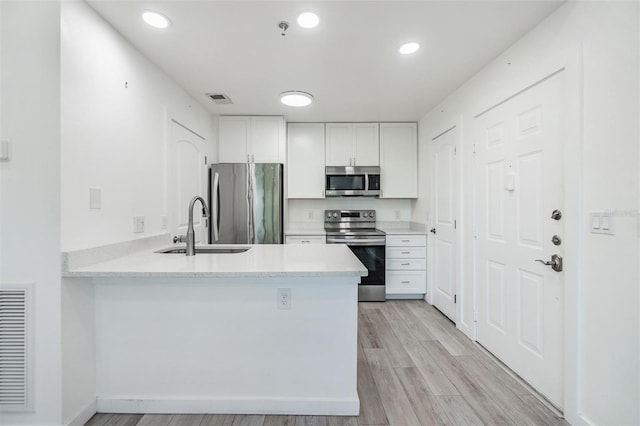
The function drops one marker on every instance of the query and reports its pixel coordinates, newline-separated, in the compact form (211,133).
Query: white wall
(312,211)
(30,186)
(604,37)
(115,106)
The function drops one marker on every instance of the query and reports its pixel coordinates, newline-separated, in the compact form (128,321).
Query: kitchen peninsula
(269,330)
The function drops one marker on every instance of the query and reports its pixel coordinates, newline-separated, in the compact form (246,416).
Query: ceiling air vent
(220,98)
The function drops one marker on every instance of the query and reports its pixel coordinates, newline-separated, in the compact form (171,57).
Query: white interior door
(186,178)
(444,245)
(519,146)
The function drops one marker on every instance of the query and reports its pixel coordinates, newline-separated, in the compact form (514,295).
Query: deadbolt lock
(556,215)
(556,240)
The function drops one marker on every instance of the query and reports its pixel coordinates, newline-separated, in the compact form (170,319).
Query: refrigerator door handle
(216,209)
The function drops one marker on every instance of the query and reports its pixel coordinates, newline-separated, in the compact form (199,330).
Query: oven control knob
(328,214)
(371,214)
(335,214)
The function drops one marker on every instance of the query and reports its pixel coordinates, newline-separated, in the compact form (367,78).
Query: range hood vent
(220,98)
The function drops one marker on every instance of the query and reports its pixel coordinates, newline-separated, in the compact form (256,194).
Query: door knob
(555,262)
(556,215)
(433,231)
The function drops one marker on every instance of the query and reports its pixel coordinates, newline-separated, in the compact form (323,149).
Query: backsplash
(313,210)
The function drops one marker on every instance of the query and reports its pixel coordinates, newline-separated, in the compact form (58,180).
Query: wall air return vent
(220,98)
(15,354)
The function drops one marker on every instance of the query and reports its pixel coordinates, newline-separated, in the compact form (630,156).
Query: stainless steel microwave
(352,181)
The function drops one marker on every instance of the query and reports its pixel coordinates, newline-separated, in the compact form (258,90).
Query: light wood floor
(414,368)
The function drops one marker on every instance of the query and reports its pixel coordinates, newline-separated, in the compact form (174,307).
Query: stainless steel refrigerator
(246,201)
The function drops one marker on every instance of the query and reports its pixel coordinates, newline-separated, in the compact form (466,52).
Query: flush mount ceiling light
(155,19)
(409,48)
(296,98)
(308,20)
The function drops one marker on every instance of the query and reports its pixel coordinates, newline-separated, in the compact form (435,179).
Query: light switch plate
(95,198)
(602,222)
(4,149)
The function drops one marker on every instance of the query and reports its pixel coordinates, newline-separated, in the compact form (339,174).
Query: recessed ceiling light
(296,98)
(409,48)
(155,19)
(308,20)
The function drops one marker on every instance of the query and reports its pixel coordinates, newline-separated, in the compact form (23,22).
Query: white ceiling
(349,62)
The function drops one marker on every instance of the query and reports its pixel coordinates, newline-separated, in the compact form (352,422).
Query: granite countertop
(265,260)
(398,228)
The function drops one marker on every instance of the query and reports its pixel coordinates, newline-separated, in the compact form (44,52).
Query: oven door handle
(356,242)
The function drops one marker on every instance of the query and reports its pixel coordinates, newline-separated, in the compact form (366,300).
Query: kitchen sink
(204,250)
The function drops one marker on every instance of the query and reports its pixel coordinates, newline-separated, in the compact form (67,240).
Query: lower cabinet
(406,264)
(305,239)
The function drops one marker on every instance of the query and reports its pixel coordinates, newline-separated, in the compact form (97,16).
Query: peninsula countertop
(264,260)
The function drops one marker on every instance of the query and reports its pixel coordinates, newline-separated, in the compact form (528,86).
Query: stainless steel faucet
(190,237)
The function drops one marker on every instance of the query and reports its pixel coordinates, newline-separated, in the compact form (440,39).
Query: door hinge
(205,160)
(455,224)
(455,298)
(455,150)
(474,148)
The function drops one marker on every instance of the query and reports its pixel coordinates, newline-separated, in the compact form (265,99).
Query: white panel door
(267,136)
(367,140)
(233,139)
(305,162)
(519,146)
(444,276)
(340,150)
(186,178)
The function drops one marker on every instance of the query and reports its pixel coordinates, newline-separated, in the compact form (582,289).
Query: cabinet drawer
(406,240)
(406,252)
(406,264)
(305,239)
(406,282)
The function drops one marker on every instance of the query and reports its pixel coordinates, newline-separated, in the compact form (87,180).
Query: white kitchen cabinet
(405,264)
(250,139)
(399,160)
(305,160)
(305,239)
(352,144)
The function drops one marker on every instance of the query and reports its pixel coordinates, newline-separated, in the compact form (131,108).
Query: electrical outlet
(310,214)
(397,214)
(284,298)
(95,198)
(138,224)
(164,222)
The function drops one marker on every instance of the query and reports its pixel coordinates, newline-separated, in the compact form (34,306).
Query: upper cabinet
(251,139)
(352,144)
(305,160)
(399,160)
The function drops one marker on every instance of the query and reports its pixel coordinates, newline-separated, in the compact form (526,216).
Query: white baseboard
(416,296)
(218,405)
(83,416)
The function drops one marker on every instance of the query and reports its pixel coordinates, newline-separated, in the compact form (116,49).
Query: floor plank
(458,410)
(155,420)
(371,410)
(394,400)
(248,420)
(414,368)
(422,400)
(217,420)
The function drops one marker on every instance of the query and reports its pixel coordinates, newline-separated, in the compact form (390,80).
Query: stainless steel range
(357,229)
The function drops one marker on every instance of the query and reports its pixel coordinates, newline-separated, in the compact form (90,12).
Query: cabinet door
(340,144)
(233,137)
(367,143)
(399,160)
(267,138)
(305,162)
